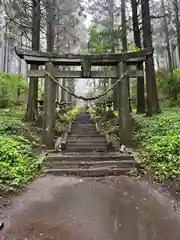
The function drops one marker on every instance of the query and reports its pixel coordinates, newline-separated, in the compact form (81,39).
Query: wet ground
(63,208)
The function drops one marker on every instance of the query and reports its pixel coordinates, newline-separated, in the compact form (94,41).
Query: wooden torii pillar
(125,118)
(49,111)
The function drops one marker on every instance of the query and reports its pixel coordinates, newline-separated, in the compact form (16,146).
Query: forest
(91,27)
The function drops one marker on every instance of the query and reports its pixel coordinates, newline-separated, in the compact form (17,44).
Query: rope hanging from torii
(86,98)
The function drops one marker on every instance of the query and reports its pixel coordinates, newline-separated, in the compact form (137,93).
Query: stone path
(111,208)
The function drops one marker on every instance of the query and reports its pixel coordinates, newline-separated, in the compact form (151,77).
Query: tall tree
(50,26)
(177,22)
(105,15)
(33,83)
(166,31)
(152,96)
(140,101)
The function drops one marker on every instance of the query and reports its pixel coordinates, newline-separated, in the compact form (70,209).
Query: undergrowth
(159,142)
(64,120)
(18,164)
(18,139)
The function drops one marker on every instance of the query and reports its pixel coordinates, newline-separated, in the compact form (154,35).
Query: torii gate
(122,62)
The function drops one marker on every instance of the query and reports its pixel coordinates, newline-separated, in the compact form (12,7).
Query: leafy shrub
(162,154)
(17,129)
(160,141)
(169,83)
(94,113)
(17,139)
(17,164)
(74,112)
(167,123)
(11,85)
(64,120)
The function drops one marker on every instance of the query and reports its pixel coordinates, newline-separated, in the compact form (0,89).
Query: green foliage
(40,92)
(11,86)
(132,47)
(74,112)
(64,120)
(102,41)
(11,125)
(169,83)
(163,156)
(17,164)
(96,113)
(160,141)
(17,139)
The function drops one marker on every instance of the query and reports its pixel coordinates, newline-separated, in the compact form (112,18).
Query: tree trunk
(69,83)
(49,110)
(50,26)
(124,37)
(104,82)
(94,85)
(140,101)
(125,123)
(157,61)
(8,54)
(151,87)
(166,31)
(113,49)
(176,9)
(62,90)
(50,30)
(5,50)
(49,118)
(32,107)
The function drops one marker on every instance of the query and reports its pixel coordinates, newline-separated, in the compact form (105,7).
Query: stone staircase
(87,154)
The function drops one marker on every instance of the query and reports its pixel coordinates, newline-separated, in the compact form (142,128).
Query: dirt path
(104,209)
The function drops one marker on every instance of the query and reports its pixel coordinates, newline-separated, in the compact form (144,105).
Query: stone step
(81,121)
(92,146)
(82,144)
(84,119)
(87,125)
(85,134)
(84,128)
(97,135)
(86,149)
(89,165)
(84,125)
(84,131)
(87,131)
(86,154)
(85,138)
(93,172)
(94,156)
